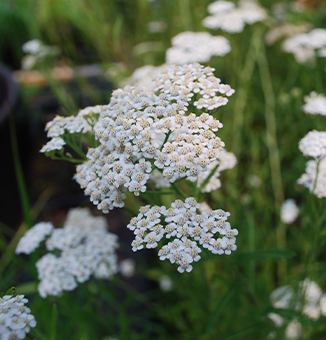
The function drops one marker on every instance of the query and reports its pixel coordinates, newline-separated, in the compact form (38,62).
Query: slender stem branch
(71,142)
(64,158)
(178,191)
(19,173)
(166,139)
(31,336)
(274,158)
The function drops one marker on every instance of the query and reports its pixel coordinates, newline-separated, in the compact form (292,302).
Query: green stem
(206,180)
(166,139)
(241,99)
(71,142)
(31,336)
(178,191)
(19,174)
(64,158)
(274,158)
(149,192)
(185,14)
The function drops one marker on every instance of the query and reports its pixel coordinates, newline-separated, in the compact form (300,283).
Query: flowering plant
(154,140)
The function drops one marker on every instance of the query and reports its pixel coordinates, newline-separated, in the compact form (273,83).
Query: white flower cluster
(140,131)
(289,211)
(309,299)
(59,126)
(189,47)
(315,104)
(306,46)
(231,19)
(314,144)
(315,177)
(33,237)
(286,31)
(86,248)
(36,52)
(186,228)
(15,318)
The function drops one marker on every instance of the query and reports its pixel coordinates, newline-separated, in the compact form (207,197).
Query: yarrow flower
(307,46)
(60,126)
(140,131)
(16,319)
(309,299)
(228,18)
(33,237)
(286,30)
(315,104)
(289,211)
(36,52)
(187,229)
(189,47)
(314,144)
(85,248)
(315,177)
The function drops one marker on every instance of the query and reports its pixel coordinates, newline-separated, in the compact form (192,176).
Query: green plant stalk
(178,191)
(67,159)
(274,158)
(206,180)
(251,249)
(241,96)
(70,140)
(54,319)
(19,174)
(185,14)
(31,336)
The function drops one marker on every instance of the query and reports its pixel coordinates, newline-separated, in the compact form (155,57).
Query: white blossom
(141,131)
(315,104)
(308,298)
(33,237)
(83,248)
(186,230)
(306,46)
(189,47)
(289,211)
(229,18)
(15,317)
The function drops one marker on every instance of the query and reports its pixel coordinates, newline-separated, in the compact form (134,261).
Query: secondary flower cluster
(86,248)
(186,228)
(231,19)
(59,127)
(314,145)
(140,131)
(309,299)
(306,46)
(315,104)
(188,47)
(15,318)
(36,52)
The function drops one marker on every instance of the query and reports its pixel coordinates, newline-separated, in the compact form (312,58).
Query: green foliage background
(224,297)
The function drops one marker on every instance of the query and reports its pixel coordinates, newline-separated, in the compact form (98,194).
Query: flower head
(186,229)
